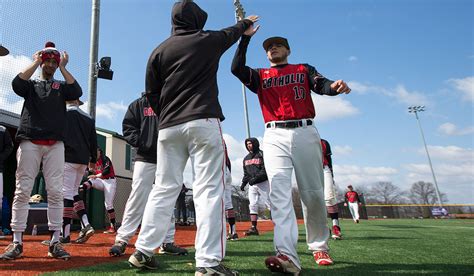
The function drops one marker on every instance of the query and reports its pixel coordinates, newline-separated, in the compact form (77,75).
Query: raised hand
(64,59)
(341,87)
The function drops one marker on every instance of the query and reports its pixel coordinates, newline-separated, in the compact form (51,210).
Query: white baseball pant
(228,190)
(329,187)
(258,197)
(29,158)
(285,150)
(201,140)
(73,174)
(108,186)
(354,209)
(142,183)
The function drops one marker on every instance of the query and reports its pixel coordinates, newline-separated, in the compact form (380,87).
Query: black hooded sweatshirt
(140,129)
(181,74)
(254,168)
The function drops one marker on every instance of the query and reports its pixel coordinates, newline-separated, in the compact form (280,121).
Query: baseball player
(256,176)
(80,151)
(103,179)
(181,80)
(140,129)
(182,216)
(330,190)
(351,199)
(291,142)
(41,134)
(6,147)
(228,206)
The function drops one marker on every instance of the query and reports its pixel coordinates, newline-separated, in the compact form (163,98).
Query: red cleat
(336,232)
(322,258)
(282,264)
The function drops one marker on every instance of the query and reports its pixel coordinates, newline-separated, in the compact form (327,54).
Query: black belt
(290,124)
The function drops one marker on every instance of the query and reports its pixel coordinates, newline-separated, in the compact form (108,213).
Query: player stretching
(352,200)
(291,142)
(330,190)
(140,129)
(103,179)
(256,176)
(181,85)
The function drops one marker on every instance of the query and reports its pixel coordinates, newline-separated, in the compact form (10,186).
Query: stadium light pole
(240,14)
(94,49)
(416,109)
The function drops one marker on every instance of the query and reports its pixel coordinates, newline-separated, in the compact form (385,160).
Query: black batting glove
(242,187)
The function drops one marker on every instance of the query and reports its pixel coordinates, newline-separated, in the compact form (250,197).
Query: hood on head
(255,144)
(187,16)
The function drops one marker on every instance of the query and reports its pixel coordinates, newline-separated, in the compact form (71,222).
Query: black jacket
(140,129)
(6,146)
(254,168)
(181,74)
(80,146)
(43,116)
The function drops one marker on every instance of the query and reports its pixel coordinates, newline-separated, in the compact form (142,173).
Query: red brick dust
(35,258)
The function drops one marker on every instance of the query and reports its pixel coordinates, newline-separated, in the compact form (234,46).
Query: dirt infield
(95,251)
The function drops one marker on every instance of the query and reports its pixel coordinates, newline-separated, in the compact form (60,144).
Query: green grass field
(376,247)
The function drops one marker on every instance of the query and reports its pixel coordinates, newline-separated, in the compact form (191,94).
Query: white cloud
(399,93)
(110,110)
(465,86)
(454,153)
(360,87)
(352,58)
(452,130)
(402,95)
(333,107)
(342,150)
(357,175)
(10,66)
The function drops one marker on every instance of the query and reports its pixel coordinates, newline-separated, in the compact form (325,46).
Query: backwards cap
(50,51)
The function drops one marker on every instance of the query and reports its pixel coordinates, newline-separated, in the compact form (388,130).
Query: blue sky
(393,53)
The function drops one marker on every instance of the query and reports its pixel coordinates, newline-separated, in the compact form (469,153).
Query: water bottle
(34,232)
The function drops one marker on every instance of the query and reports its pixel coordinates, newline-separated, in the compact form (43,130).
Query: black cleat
(232,237)
(251,232)
(118,249)
(215,270)
(140,260)
(172,249)
(85,234)
(13,251)
(57,251)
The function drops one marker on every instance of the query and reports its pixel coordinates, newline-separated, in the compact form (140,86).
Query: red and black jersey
(105,167)
(284,93)
(326,150)
(283,90)
(351,196)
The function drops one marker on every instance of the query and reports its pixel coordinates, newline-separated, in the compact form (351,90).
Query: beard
(278,59)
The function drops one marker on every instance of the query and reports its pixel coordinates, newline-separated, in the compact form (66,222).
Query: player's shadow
(349,268)
(374,238)
(400,226)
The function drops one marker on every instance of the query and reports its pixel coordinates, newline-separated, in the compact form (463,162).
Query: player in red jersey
(353,201)
(290,142)
(330,190)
